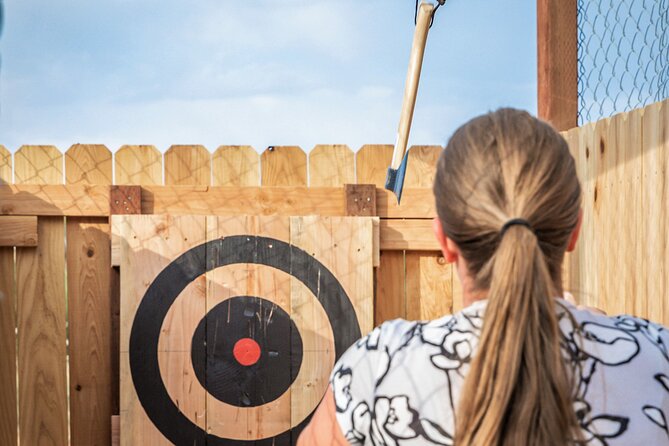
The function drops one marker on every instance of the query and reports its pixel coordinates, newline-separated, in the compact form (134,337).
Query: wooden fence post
(557,44)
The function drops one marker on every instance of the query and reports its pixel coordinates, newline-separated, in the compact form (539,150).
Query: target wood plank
(18,231)
(149,244)
(429,279)
(236,166)
(654,210)
(5,166)
(331,165)
(186,165)
(283,166)
(344,246)
(89,304)
(41,314)
(8,416)
(138,164)
(372,163)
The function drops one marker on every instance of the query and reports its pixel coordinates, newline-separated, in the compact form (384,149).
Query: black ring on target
(171,281)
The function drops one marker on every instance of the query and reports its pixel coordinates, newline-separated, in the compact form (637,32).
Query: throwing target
(235,368)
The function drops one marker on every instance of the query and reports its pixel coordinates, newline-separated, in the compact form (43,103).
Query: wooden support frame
(18,231)
(94,201)
(557,44)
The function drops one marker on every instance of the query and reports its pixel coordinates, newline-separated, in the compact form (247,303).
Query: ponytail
(517,391)
(498,166)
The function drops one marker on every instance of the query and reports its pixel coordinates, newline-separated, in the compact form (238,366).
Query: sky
(263,72)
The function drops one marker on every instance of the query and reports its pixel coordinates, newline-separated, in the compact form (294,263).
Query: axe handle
(413,76)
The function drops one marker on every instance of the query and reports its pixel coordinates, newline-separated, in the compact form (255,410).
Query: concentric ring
(169,283)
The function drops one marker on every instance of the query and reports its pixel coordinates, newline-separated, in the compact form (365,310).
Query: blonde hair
(498,167)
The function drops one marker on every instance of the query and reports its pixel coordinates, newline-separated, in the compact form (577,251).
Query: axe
(398,166)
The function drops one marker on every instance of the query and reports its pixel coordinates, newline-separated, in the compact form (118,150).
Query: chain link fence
(623,55)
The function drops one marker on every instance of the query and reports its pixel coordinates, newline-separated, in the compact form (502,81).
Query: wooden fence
(59,305)
(59,294)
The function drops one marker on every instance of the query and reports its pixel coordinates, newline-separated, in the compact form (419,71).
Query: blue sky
(266,72)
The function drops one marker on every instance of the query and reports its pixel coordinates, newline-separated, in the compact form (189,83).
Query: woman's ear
(577,230)
(448,247)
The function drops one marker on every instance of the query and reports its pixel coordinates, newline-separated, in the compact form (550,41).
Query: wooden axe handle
(413,76)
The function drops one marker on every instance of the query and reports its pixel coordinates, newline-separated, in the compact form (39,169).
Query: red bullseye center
(246,351)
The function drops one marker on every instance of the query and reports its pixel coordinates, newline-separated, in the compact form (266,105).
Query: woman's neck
(470,294)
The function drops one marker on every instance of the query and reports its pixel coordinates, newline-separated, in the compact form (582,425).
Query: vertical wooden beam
(557,44)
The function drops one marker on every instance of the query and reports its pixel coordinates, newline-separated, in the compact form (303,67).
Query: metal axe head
(395,178)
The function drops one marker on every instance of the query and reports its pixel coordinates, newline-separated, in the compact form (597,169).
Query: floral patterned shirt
(400,384)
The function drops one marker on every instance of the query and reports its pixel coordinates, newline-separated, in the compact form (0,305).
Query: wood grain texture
(54,200)
(89,304)
(88,164)
(655,199)
(5,166)
(41,314)
(283,166)
(141,164)
(422,166)
(38,165)
(331,165)
(186,165)
(429,279)
(372,162)
(151,242)
(18,231)
(8,414)
(557,44)
(344,246)
(409,235)
(236,166)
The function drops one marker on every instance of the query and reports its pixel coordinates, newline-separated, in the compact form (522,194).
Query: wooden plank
(5,166)
(150,243)
(344,246)
(360,200)
(125,200)
(331,165)
(115,430)
(588,255)
(600,289)
(283,166)
(185,165)
(557,62)
(409,235)
(422,166)
(8,414)
(41,310)
(372,161)
(93,201)
(54,200)
(18,231)
(571,279)
(429,279)
(88,164)
(89,304)
(654,211)
(38,165)
(140,164)
(236,166)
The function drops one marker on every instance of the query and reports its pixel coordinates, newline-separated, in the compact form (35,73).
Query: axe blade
(395,178)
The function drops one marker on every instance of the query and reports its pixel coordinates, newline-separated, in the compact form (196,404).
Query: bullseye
(246,351)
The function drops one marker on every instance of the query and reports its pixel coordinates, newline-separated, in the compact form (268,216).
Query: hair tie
(514,222)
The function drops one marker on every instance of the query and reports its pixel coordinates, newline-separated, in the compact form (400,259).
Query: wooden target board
(230,326)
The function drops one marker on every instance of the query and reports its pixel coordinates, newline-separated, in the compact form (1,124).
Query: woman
(519,365)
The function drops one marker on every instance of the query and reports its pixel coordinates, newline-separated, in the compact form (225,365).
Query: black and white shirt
(400,384)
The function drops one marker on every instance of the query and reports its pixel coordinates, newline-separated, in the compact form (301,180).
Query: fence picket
(41,300)
(331,165)
(236,166)
(138,165)
(8,415)
(89,304)
(283,166)
(187,165)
